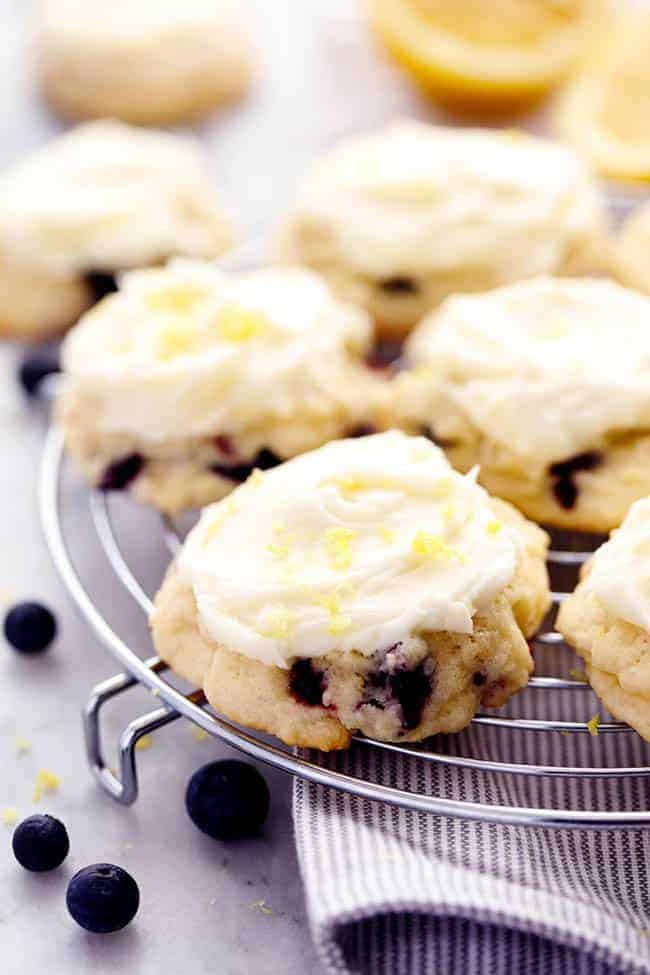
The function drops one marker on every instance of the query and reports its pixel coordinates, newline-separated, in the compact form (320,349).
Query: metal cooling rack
(122,783)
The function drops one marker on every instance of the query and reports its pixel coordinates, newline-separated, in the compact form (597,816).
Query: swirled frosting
(548,367)
(620,569)
(421,199)
(353,546)
(108,196)
(191,349)
(135,21)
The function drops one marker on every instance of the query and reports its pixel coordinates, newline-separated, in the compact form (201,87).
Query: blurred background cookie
(151,62)
(102,198)
(400,218)
(544,384)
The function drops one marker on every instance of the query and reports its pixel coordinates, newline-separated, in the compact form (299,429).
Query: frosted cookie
(188,378)
(100,199)
(152,62)
(363,587)
(546,385)
(400,218)
(607,620)
(631,253)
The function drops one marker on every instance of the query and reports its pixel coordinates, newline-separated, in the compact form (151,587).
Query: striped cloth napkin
(402,893)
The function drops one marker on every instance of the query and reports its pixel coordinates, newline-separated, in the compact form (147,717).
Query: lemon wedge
(478,55)
(604,111)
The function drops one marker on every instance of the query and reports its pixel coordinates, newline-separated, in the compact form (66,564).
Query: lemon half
(497,55)
(605,112)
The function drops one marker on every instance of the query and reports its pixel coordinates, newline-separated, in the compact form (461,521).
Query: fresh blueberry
(40,843)
(35,367)
(228,800)
(30,627)
(103,898)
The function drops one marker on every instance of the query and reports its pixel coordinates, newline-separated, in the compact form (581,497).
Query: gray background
(319,78)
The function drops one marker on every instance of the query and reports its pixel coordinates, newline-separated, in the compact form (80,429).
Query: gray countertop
(200,913)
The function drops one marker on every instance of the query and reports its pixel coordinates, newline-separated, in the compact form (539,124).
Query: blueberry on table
(103,898)
(30,627)
(34,369)
(40,843)
(228,800)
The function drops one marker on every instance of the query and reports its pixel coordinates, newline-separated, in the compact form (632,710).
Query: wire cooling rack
(582,768)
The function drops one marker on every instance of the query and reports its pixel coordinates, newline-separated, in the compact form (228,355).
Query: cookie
(103,198)
(401,218)
(150,62)
(546,385)
(607,620)
(188,378)
(362,587)
(631,260)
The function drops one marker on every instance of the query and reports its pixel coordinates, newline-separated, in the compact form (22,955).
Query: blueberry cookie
(631,252)
(151,62)
(546,385)
(363,587)
(400,218)
(188,378)
(103,198)
(607,620)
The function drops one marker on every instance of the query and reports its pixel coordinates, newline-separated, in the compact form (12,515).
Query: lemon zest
(337,543)
(592,725)
(46,781)
(239,325)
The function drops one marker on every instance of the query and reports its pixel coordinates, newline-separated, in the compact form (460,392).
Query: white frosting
(620,569)
(422,198)
(108,196)
(190,350)
(350,547)
(137,21)
(548,366)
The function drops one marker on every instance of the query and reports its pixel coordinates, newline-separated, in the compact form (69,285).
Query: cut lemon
(495,55)
(605,111)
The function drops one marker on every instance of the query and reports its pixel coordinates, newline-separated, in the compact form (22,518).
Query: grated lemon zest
(387,534)
(10,815)
(199,734)
(46,781)
(279,623)
(226,508)
(494,527)
(238,325)
(578,675)
(175,339)
(143,743)
(427,545)
(337,543)
(592,725)
(23,746)
(177,298)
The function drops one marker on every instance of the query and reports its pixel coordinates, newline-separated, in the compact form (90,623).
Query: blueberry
(35,367)
(228,800)
(306,683)
(30,627)
(119,475)
(40,843)
(103,898)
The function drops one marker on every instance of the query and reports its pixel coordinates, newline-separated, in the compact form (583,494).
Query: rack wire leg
(123,784)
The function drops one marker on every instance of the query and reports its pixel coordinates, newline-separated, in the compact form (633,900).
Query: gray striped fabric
(391,891)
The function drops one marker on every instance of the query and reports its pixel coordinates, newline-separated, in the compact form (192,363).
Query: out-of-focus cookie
(365,586)
(631,252)
(103,198)
(151,62)
(400,218)
(607,620)
(188,378)
(546,385)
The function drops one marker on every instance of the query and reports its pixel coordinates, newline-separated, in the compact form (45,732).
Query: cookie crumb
(592,725)
(10,815)
(199,734)
(143,743)
(46,781)
(262,907)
